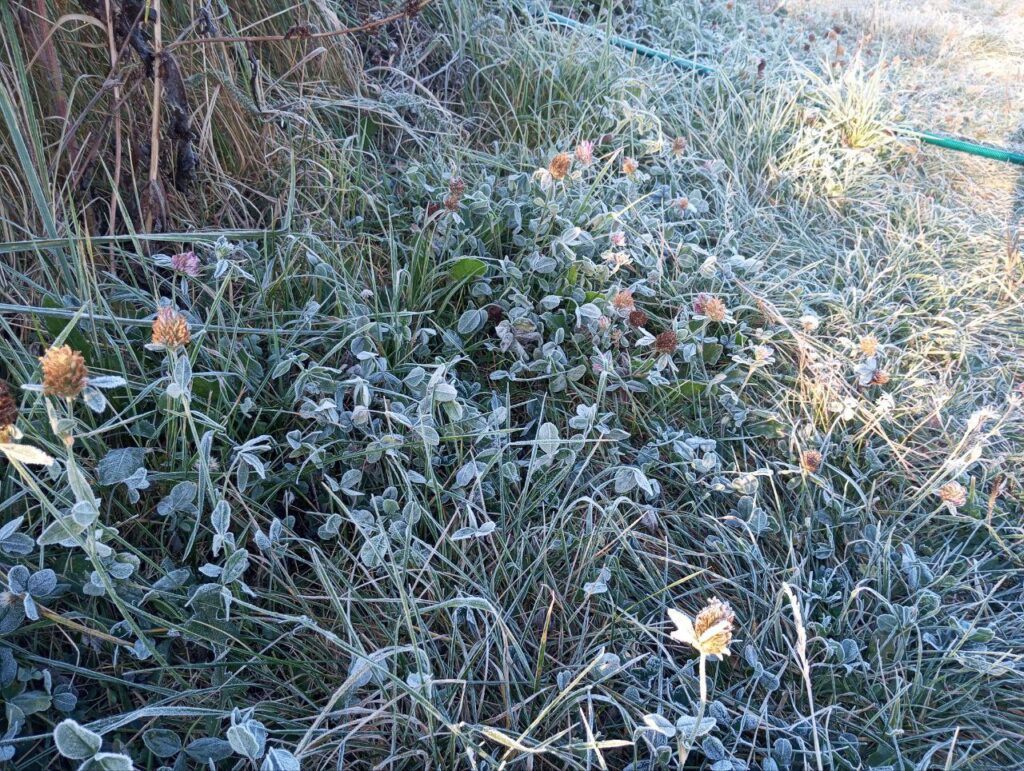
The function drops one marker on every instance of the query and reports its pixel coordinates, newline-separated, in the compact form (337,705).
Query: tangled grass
(465,350)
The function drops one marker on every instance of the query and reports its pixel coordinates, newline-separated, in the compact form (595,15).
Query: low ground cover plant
(429,387)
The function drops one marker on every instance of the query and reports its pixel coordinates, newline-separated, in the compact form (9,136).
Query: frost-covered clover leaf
(13,543)
(29,586)
(181,499)
(124,466)
(93,393)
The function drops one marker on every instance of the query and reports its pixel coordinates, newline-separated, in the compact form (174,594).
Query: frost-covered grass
(453,431)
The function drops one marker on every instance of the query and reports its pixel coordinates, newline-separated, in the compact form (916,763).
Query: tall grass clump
(428,387)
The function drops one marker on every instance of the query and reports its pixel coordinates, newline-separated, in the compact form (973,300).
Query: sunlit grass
(467,480)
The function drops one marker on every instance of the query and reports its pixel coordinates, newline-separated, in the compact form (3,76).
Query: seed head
(715,309)
(170,329)
(810,460)
(559,166)
(629,166)
(684,203)
(868,345)
(585,152)
(880,377)
(809,322)
(64,372)
(666,342)
(953,493)
(623,301)
(456,187)
(8,406)
(678,145)
(710,632)
(637,318)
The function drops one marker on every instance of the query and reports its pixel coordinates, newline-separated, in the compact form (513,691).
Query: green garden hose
(928,137)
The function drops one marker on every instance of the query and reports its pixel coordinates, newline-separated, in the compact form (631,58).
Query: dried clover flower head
(559,165)
(684,203)
(585,152)
(700,303)
(880,377)
(170,329)
(617,260)
(868,345)
(64,372)
(618,238)
(679,145)
(8,407)
(666,342)
(186,262)
(623,301)
(809,322)
(953,493)
(810,460)
(710,632)
(456,187)
(715,309)
(629,166)
(637,318)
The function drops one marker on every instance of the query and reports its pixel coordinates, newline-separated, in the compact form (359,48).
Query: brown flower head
(666,342)
(456,187)
(637,318)
(64,372)
(8,406)
(684,203)
(715,309)
(953,493)
(559,165)
(170,329)
(710,632)
(623,301)
(700,303)
(629,166)
(810,461)
(880,377)
(679,145)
